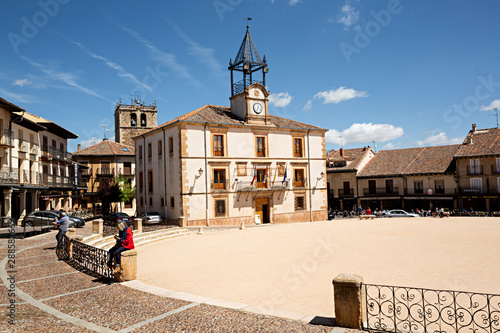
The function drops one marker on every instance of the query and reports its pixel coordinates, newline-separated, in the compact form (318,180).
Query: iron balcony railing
(126,171)
(346,192)
(299,182)
(404,309)
(219,186)
(9,175)
(425,191)
(34,148)
(477,170)
(243,186)
(54,180)
(380,191)
(105,172)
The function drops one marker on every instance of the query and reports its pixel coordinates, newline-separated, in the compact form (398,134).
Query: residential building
(104,162)
(478,170)
(36,171)
(409,178)
(342,167)
(221,165)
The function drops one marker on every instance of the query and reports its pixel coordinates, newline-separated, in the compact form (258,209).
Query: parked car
(112,218)
(46,217)
(150,217)
(400,213)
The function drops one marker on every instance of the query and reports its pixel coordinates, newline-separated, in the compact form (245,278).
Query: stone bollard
(182,222)
(98,227)
(128,267)
(348,300)
(242,225)
(72,240)
(137,225)
(71,232)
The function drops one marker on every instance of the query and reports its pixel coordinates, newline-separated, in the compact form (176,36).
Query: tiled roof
(214,114)
(106,147)
(410,161)
(49,125)
(485,142)
(351,156)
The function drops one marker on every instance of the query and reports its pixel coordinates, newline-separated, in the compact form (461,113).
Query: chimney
(473,128)
(341,152)
(79,146)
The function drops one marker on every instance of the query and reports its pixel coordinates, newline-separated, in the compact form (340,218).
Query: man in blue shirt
(63,224)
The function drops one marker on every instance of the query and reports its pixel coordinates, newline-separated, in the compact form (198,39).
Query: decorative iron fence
(91,259)
(403,309)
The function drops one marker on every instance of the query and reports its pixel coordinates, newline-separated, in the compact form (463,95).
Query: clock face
(257,108)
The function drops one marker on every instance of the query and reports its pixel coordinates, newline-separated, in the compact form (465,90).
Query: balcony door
(477,184)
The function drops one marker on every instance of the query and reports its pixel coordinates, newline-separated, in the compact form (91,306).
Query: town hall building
(220,165)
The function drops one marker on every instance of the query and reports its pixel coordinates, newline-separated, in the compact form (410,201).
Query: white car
(400,213)
(150,217)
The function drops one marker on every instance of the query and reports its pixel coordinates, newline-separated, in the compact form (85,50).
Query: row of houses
(462,176)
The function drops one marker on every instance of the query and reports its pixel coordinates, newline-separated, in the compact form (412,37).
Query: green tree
(127,191)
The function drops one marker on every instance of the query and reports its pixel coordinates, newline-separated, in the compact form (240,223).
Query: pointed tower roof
(248,52)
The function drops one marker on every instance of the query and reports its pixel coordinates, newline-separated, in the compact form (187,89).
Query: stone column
(98,227)
(7,202)
(182,222)
(128,267)
(137,225)
(22,206)
(71,232)
(34,200)
(348,301)
(72,239)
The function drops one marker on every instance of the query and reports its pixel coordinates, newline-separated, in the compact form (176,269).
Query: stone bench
(366,217)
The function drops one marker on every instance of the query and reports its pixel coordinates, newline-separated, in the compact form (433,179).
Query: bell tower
(249,97)
(133,119)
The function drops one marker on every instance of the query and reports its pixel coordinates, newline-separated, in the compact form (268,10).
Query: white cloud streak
(348,16)
(28,83)
(18,98)
(67,78)
(364,133)
(280,100)
(493,105)
(121,71)
(167,59)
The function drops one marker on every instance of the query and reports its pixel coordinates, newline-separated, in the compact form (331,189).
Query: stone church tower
(133,119)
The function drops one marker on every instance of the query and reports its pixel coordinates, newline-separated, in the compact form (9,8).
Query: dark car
(46,217)
(112,218)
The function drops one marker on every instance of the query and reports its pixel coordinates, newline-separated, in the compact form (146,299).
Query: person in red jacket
(124,242)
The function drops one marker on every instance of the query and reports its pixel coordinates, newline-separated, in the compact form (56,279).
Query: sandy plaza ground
(290,267)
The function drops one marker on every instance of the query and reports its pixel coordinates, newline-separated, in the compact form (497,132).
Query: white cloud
(18,98)
(67,78)
(90,142)
(390,145)
(364,133)
(348,16)
(121,71)
(28,83)
(439,139)
(280,100)
(339,95)
(308,105)
(294,2)
(493,105)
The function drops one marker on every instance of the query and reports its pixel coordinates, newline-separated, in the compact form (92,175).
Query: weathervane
(248,19)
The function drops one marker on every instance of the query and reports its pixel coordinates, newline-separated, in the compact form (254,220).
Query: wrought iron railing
(380,191)
(403,309)
(91,259)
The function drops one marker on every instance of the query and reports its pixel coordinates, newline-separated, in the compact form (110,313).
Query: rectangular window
(150,201)
(141,182)
(150,181)
(54,144)
(300,202)
(389,186)
(127,168)
(476,184)
(61,146)
(498,165)
(299,180)
(439,184)
(140,153)
(162,201)
(262,178)
(142,201)
(498,185)
(474,167)
(297,147)
(218,145)
(160,148)
(219,179)
(171,146)
(419,187)
(372,186)
(261,146)
(172,202)
(220,207)
(105,168)
(45,144)
(150,152)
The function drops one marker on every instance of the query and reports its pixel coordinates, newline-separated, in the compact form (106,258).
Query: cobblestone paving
(51,296)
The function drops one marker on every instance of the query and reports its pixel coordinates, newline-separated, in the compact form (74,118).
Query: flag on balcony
(284,176)
(254,175)
(266,175)
(275,172)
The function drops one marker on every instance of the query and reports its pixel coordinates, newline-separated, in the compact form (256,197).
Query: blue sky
(399,73)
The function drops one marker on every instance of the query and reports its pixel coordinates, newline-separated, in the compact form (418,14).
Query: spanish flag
(254,175)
